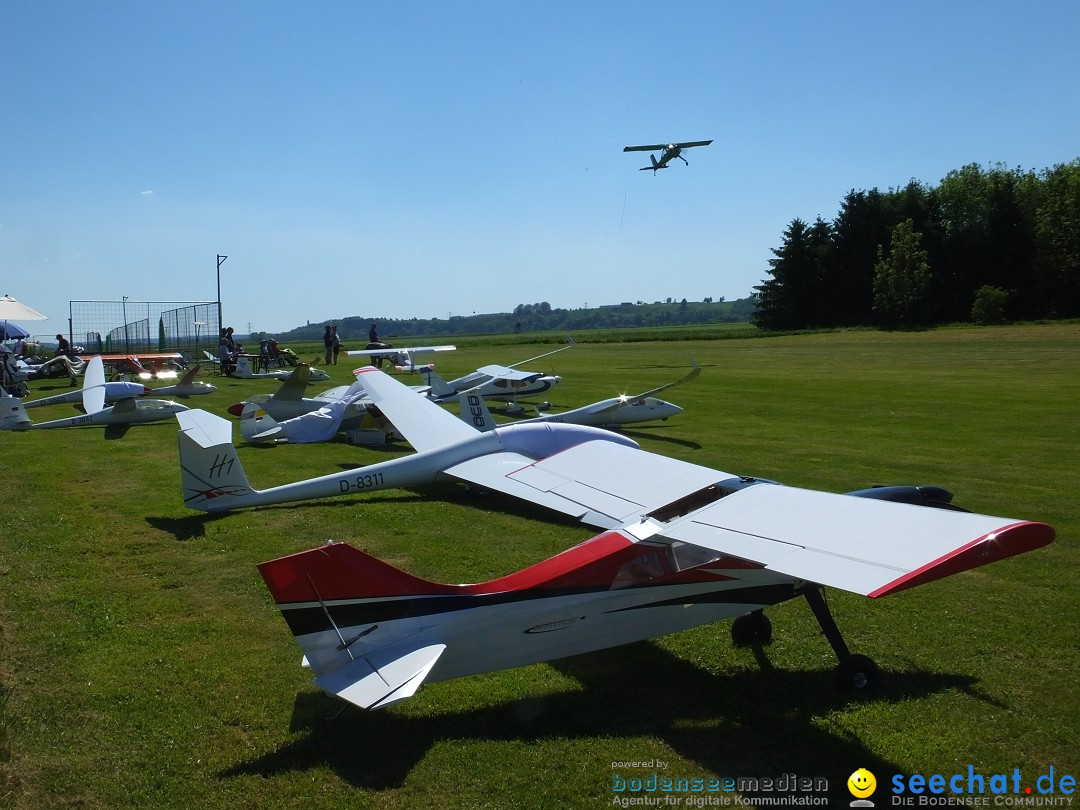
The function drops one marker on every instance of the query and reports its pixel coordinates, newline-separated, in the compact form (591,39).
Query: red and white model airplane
(684,545)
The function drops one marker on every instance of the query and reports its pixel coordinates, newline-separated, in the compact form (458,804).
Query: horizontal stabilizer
(383,677)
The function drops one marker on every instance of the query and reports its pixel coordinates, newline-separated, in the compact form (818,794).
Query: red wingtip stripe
(1009,541)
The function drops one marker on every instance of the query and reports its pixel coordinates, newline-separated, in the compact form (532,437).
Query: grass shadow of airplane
(753,724)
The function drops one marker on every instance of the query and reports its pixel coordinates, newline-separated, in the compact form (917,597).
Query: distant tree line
(983,245)
(540,317)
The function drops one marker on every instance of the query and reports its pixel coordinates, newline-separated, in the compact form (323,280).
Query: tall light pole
(126,349)
(220,261)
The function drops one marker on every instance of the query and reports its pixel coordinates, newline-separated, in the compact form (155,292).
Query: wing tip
(1008,541)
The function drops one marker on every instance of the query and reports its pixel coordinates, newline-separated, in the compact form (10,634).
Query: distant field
(144,664)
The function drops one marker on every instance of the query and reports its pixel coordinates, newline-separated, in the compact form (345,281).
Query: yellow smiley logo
(861,783)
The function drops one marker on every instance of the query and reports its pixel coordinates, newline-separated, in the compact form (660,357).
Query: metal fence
(130,327)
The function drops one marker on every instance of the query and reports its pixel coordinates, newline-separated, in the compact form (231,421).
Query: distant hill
(538,317)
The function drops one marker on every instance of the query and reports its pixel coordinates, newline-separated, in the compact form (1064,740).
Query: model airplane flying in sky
(668,152)
(129,411)
(687,546)
(608,413)
(213,479)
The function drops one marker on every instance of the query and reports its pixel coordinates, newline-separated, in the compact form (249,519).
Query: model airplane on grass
(187,387)
(319,425)
(404,358)
(146,365)
(608,413)
(213,479)
(668,152)
(289,403)
(130,411)
(114,392)
(245,372)
(687,546)
(505,383)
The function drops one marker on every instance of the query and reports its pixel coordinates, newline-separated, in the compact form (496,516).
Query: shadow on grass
(753,724)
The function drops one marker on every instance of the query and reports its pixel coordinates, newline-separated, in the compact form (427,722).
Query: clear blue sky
(420,159)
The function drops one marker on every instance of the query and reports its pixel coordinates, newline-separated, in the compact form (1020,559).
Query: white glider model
(114,392)
(404,358)
(130,411)
(505,383)
(289,402)
(686,546)
(244,372)
(187,387)
(319,425)
(213,479)
(608,413)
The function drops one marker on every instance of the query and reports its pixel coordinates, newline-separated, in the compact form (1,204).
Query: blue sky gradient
(422,159)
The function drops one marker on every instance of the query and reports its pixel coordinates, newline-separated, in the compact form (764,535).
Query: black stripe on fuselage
(313,619)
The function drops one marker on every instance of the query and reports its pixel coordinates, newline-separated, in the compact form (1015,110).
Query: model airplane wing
(653,147)
(694,371)
(600,488)
(688,144)
(864,545)
(867,546)
(497,372)
(424,424)
(406,350)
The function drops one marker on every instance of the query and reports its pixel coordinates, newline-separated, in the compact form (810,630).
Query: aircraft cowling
(543,439)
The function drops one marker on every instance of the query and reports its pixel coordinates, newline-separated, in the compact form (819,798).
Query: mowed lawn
(143,663)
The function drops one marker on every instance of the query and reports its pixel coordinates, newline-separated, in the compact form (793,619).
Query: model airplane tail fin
(12,414)
(331,599)
(210,472)
(93,391)
(439,387)
(243,368)
(256,425)
(474,411)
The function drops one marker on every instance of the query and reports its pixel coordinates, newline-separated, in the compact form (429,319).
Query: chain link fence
(140,327)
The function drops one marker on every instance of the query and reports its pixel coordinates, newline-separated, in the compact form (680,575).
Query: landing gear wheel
(857,673)
(751,629)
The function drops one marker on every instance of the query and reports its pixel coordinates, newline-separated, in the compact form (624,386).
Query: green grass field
(144,665)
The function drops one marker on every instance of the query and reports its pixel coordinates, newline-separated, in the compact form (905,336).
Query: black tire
(751,629)
(857,673)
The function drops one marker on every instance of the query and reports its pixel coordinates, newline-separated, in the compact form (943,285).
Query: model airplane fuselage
(213,478)
(127,411)
(399,631)
(668,152)
(373,634)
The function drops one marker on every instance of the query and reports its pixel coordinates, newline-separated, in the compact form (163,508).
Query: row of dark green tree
(983,245)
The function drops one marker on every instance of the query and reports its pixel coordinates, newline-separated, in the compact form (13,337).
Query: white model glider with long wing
(213,479)
(128,411)
(608,413)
